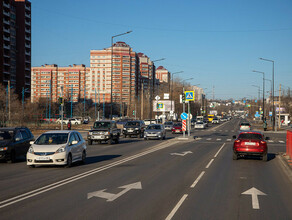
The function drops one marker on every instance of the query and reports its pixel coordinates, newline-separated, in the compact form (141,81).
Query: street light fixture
(112,53)
(255,71)
(273,92)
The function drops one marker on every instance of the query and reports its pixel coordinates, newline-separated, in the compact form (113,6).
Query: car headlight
(30,150)
(136,128)
(3,148)
(90,133)
(106,133)
(125,128)
(61,149)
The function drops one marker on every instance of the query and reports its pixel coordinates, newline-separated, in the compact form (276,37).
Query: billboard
(163,106)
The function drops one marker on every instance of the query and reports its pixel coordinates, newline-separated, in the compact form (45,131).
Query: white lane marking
(172,213)
(270,141)
(198,179)
(209,164)
(182,154)
(228,140)
(81,176)
(219,150)
(254,196)
(208,139)
(282,142)
(218,139)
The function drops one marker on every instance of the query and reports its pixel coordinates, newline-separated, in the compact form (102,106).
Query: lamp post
(259,88)
(112,53)
(184,132)
(153,85)
(273,90)
(172,90)
(255,71)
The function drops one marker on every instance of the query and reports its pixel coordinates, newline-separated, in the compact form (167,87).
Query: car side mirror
(234,136)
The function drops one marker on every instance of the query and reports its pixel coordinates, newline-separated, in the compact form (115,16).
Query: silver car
(155,131)
(168,125)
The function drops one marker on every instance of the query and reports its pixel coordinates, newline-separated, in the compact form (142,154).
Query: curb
(286,164)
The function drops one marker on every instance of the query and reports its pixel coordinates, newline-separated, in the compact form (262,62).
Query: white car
(245,126)
(75,121)
(200,125)
(57,148)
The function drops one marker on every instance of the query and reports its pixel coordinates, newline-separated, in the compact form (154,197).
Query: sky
(218,43)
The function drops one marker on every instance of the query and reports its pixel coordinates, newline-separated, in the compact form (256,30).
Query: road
(154,179)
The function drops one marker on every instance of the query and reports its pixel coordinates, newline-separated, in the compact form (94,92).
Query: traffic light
(98,106)
(133,112)
(183,97)
(157,105)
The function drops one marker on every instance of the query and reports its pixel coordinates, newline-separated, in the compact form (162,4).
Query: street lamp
(112,53)
(184,133)
(172,89)
(259,88)
(255,71)
(273,92)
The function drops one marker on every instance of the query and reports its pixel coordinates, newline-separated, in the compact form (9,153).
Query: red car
(250,143)
(177,128)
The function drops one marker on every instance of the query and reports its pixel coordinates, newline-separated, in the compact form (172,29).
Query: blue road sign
(184,116)
(190,95)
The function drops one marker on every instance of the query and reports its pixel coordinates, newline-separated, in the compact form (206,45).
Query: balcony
(27,8)
(6,38)
(27,15)
(27,53)
(6,30)
(27,23)
(6,21)
(6,5)
(6,13)
(27,30)
(6,47)
(27,38)
(27,45)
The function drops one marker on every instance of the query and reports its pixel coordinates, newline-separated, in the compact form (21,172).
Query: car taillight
(237,141)
(263,142)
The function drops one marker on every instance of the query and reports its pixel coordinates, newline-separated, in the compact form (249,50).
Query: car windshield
(52,139)
(100,124)
(250,136)
(153,127)
(199,123)
(168,123)
(177,125)
(132,123)
(245,124)
(6,135)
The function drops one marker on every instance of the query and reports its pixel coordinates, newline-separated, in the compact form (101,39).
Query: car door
(78,147)
(72,147)
(18,143)
(26,139)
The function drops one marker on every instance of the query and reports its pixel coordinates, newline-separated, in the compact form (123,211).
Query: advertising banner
(163,106)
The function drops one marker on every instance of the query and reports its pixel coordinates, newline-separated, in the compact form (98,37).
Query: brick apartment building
(163,75)
(15,45)
(48,81)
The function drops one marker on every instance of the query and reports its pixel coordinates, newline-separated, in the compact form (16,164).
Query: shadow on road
(271,156)
(97,159)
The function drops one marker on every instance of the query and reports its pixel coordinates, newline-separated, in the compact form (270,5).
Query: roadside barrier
(289,146)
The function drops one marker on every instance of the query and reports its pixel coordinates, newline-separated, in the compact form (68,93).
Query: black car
(14,142)
(134,128)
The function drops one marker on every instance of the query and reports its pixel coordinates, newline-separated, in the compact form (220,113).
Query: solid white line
(176,207)
(219,150)
(209,164)
(198,179)
(80,176)
(282,142)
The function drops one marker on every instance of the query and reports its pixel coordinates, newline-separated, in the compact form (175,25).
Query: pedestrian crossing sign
(190,95)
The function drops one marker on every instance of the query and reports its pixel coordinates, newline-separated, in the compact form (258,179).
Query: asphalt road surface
(155,179)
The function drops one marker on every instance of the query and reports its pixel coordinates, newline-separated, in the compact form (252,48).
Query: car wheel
(89,142)
(265,157)
(164,137)
(235,157)
(117,140)
(12,157)
(109,142)
(145,139)
(69,161)
(83,157)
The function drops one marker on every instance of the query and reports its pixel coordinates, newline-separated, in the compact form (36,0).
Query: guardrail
(289,146)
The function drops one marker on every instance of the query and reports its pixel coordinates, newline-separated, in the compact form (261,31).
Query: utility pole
(9,113)
(142,102)
(279,119)
(62,108)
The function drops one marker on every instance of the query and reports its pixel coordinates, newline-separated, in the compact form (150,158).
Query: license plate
(43,158)
(250,143)
(177,131)
(97,137)
(130,130)
(151,134)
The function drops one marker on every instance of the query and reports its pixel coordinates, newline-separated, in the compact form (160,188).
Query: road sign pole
(189,119)
(184,132)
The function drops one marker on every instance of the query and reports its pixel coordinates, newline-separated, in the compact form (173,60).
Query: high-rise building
(163,74)
(147,69)
(125,77)
(199,92)
(52,82)
(15,45)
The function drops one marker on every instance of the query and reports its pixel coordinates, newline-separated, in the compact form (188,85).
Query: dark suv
(14,142)
(134,128)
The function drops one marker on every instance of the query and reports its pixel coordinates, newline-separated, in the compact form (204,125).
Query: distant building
(199,92)
(147,70)
(52,82)
(163,74)
(15,45)
(125,75)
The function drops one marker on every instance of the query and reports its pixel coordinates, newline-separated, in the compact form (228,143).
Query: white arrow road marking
(110,196)
(254,196)
(182,154)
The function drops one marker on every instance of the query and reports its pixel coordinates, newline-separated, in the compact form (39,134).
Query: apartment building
(147,70)
(125,77)
(163,74)
(52,82)
(15,45)
(198,93)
